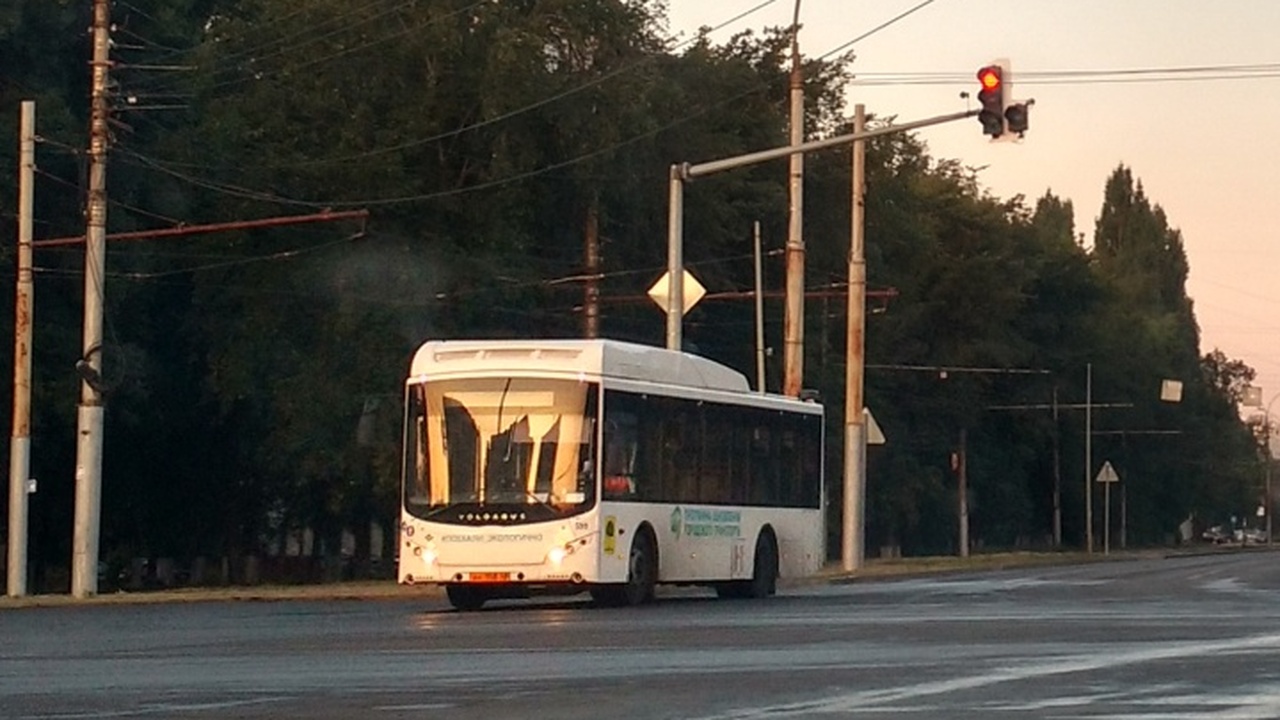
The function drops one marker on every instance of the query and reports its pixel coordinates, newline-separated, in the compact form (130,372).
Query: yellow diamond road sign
(693,291)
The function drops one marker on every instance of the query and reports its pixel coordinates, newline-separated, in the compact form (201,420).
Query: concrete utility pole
(1268,500)
(852,552)
(793,324)
(20,442)
(760,378)
(675,258)
(591,303)
(89,421)
(1088,458)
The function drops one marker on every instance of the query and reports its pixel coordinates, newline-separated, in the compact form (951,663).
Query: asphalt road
(1186,637)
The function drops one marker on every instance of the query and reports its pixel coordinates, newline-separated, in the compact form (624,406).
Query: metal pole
(1106,517)
(962,483)
(689,172)
(793,330)
(1124,516)
(855,428)
(1088,458)
(1057,475)
(760,386)
(675,257)
(1266,424)
(84,546)
(20,442)
(1267,491)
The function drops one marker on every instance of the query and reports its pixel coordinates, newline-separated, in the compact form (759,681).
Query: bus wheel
(465,597)
(642,575)
(764,573)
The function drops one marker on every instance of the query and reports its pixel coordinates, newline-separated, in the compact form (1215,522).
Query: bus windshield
(500,449)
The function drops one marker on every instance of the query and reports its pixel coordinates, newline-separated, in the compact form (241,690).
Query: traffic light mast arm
(689,172)
(682,172)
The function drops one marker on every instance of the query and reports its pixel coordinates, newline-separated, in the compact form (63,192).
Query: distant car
(1252,536)
(1217,535)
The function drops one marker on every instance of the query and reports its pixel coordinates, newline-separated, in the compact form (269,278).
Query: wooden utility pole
(89,420)
(20,442)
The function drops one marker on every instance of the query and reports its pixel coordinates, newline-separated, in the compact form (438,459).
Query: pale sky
(1203,144)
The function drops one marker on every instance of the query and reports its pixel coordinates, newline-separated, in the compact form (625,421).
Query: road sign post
(1107,476)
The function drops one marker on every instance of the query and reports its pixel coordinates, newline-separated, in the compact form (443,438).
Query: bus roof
(604,358)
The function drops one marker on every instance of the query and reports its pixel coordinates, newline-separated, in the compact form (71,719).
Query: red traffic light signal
(990,77)
(991,97)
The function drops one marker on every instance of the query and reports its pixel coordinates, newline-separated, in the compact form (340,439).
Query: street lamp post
(1253,398)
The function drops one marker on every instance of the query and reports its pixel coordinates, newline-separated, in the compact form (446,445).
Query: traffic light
(991,96)
(1015,117)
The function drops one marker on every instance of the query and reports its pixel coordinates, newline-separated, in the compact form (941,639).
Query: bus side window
(620,441)
(715,484)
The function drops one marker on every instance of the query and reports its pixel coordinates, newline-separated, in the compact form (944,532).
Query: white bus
(560,466)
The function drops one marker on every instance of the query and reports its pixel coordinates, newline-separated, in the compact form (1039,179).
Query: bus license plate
(489,577)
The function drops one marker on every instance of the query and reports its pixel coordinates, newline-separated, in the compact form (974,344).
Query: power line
(254,260)
(380,40)
(948,369)
(509,114)
(878,28)
(307,31)
(420,197)
(1193,73)
(324,216)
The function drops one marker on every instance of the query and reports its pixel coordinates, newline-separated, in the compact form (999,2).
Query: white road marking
(162,709)
(875,700)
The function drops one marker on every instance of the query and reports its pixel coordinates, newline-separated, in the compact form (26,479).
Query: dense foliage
(255,375)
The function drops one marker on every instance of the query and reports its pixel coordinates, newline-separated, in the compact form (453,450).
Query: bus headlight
(556,555)
(427,554)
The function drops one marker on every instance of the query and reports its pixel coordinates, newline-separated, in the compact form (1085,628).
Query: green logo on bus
(677,522)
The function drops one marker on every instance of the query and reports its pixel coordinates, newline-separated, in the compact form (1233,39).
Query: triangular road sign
(1108,474)
(875,436)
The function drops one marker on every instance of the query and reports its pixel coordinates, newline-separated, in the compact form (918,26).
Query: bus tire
(642,575)
(764,571)
(465,598)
